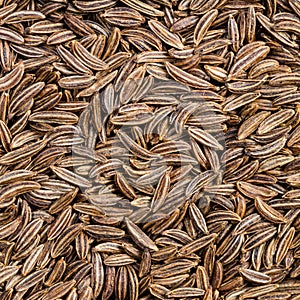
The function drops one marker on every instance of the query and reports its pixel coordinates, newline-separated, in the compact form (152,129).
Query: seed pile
(149,149)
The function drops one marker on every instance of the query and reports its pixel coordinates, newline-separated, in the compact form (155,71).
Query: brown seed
(268,212)
(65,238)
(203,25)
(139,236)
(254,276)
(185,292)
(11,79)
(187,78)
(31,280)
(8,272)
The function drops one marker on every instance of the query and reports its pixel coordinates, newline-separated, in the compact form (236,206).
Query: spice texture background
(149,149)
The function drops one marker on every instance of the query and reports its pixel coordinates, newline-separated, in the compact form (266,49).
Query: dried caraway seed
(149,150)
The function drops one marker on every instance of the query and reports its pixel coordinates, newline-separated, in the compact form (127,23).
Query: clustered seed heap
(149,149)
